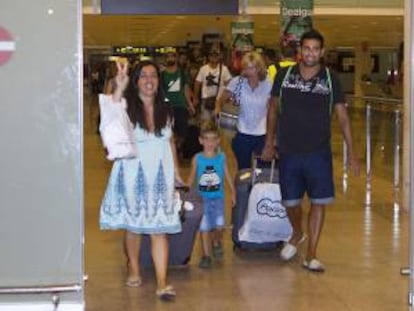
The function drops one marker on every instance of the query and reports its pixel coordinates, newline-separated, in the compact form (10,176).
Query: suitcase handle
(272,168)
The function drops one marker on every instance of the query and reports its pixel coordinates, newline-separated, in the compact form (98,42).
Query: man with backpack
(303,97)
(176,87)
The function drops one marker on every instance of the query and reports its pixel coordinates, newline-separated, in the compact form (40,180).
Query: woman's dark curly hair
(162,112)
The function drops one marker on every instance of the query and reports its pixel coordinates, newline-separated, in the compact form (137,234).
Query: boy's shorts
(213,214)
(306,173)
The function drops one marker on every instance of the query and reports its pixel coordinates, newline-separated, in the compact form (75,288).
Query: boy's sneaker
(205,262)
(217,251)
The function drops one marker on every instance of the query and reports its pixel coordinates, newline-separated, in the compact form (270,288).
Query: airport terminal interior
(365,240)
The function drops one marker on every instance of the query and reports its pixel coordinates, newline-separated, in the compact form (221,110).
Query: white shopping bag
(266,218)
(116,129)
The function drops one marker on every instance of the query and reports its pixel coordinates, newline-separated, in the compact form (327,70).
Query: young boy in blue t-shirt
(209,169)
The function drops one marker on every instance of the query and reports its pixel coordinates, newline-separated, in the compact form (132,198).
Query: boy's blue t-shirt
(210,175)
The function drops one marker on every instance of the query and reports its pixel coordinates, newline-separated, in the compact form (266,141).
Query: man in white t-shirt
(211,79)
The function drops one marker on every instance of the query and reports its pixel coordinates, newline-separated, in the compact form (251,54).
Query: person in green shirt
(177,92)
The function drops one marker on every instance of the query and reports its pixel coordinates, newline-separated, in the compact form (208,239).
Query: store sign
(205,7)
(7,46)
(296,19)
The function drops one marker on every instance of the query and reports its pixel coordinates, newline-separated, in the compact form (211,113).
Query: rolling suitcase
(245,180)
(180,244)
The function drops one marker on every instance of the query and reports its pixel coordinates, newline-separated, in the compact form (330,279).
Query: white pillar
(407,95)
(408,159)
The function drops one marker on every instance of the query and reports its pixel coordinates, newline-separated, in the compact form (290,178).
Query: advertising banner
(242,35)
(296,19)
(242,31)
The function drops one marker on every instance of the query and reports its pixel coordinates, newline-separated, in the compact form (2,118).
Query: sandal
(166,294)
(289,250)
(133,282)
(313,265)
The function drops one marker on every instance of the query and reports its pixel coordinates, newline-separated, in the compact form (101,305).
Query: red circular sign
(7,46)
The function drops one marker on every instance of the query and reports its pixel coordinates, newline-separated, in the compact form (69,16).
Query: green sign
(296,19)
(242,35)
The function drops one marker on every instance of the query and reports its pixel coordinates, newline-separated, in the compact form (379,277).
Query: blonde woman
(251,91)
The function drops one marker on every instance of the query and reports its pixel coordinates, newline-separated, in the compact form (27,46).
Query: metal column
(408,104)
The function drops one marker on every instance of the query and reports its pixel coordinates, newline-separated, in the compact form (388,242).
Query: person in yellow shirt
(273,64)
(271,61)
(289,54)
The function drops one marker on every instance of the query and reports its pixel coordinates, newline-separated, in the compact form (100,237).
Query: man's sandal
(166,294)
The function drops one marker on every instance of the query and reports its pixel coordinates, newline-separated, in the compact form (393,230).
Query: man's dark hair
(312,34)
(270,53)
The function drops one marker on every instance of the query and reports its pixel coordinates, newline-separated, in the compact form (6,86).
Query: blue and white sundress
(140,193)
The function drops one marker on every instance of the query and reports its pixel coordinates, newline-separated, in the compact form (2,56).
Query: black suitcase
(244,183)
(180,244)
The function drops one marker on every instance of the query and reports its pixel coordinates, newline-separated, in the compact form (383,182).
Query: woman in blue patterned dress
(139,197)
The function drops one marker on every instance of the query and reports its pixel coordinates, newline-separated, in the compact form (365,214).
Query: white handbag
(116,129)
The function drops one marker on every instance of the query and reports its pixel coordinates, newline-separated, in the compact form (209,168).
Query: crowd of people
(285,115)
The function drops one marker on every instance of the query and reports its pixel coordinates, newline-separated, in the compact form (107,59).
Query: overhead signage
(125,50)
(205,7)
(242,31)
(296,19)
(139,50)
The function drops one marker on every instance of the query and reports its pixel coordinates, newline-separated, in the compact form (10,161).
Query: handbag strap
(237,92)
(219,80)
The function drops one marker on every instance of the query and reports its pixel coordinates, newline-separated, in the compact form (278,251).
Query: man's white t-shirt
(208,77)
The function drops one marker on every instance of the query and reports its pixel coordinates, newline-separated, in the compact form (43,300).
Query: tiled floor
(363,246)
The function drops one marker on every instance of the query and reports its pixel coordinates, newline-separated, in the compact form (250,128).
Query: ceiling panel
(336,3)
(317,3)
(153,30)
